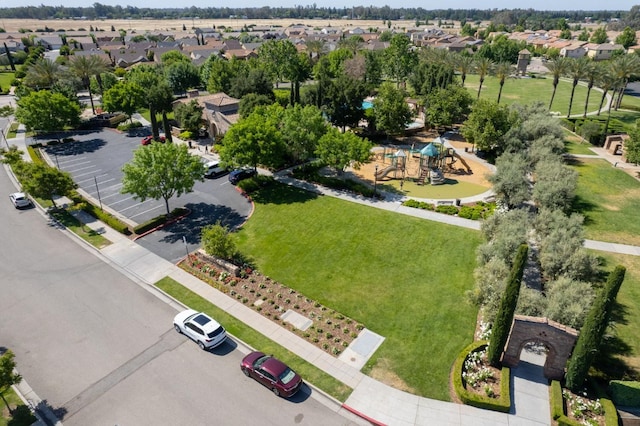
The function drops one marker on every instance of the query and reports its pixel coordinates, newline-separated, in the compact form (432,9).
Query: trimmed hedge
(625,393)
(557,407)
(503,404)
(254,183)
(418,204)
(109,220)
(158,220)
(450,210)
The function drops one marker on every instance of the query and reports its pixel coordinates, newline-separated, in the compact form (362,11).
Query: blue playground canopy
(430,150)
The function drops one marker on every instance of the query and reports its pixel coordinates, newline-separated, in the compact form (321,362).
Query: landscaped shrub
(593,330)
(480,210)
(625,393)
(254,183)
(450,210)
(418,204)
(35,154)
(126,126)
(186,135)
(476,400)
(217,242)
(109,220)
(504,317)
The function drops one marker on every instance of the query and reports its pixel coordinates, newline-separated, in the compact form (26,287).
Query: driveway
(95,161)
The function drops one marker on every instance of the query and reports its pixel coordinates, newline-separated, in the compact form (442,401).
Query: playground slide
(382,173)
(464,163)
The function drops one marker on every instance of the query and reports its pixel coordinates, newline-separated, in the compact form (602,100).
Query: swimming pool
(367,104)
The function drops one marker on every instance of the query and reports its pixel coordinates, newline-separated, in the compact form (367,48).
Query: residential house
(601,52)
(124,58)
(219,112)
(50,42)
(574,50)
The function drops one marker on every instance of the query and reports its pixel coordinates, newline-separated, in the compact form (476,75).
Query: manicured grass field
(5,80)
(258,341)
(14,400)
(610,200)
(576,145)
(402,277)
(529,90)
(627,314)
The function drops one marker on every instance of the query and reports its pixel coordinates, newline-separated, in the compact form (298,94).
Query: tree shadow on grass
(583,207)
(283,194)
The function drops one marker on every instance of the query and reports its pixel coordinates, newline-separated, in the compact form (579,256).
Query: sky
(428,5)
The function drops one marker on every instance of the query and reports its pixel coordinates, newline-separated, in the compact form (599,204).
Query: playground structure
(434,160)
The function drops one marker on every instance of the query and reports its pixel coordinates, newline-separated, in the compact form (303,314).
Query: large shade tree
(391,110)
(46,111)
(161,171)
(340,150)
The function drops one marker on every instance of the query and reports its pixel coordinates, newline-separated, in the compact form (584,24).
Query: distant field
(176,24)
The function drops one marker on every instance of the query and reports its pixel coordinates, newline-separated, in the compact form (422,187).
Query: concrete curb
(40,408)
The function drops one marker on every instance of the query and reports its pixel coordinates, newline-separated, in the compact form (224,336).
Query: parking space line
(87,180)
(82,168)
(89,173)
(81,162)
(146,211)
(112,195)
(136,205)
(119,184)
(121,201)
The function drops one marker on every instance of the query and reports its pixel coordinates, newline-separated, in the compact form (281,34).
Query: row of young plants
(330,330)
(477,211)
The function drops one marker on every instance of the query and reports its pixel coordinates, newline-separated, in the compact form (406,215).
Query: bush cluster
(255,183)
(107,218)
(450,210)
(418,204)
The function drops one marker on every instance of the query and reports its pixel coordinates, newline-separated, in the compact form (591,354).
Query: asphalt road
(95,162)
(100,348)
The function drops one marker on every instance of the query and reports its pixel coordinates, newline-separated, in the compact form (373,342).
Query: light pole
(375,182)
(184,239)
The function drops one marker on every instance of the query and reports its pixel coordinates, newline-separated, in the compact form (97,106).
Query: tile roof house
(574,50)
(219,113)
(124,58)
(601,52)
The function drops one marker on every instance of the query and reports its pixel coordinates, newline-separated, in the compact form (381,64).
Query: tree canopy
(160,171)
(47,111)
(339,150)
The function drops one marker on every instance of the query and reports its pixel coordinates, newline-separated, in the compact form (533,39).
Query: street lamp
(375,181)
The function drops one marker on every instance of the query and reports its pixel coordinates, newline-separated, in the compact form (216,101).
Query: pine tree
(504,317)
(593,330)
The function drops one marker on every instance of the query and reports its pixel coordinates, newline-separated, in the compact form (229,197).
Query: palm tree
(624,67)
(483,68)
(43,74)
(316,49)
(592,73)
(557,67)
(464,65)
(502,71)
(606,82)
(576,70)
(86,66)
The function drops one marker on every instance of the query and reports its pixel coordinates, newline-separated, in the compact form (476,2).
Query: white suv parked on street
(200,327)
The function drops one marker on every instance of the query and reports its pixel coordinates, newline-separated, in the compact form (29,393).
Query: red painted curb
(171,222)
(363,416)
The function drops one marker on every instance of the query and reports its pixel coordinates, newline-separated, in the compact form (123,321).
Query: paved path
(371,398)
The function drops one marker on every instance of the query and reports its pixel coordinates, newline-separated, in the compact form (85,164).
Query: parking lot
(95,161)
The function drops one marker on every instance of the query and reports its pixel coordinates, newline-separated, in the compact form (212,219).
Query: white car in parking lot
(201,328)
(20,200)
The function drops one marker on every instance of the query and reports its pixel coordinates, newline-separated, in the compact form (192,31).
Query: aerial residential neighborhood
(380,216)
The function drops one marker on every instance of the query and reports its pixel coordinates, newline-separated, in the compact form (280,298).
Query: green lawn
(5,80)
(402,277)
(610,200)
(248,335)
(84,232)
(528,90)
(14,401)
(626,317)
(576,145)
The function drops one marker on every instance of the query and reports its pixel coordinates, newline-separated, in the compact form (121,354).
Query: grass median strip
(309,372)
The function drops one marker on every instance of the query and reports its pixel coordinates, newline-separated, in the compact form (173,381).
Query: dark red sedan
(272,373)
(148,139)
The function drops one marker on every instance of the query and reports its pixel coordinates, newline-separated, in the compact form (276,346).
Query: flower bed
(330,331)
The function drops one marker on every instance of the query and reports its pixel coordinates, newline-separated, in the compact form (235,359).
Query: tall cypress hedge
(504,317)
(593,330)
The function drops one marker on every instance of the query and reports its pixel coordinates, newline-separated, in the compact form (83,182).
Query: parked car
(213,169)
(148,139)
(241,174)
(20,200)
(272,373)
(200,327)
